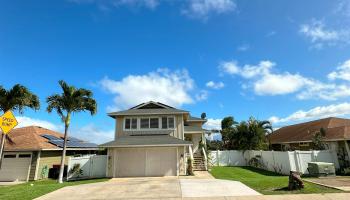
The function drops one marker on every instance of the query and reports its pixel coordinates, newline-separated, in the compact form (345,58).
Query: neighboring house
(299,137)
(35,151)
(154,139)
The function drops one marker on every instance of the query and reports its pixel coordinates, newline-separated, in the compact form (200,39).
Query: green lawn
(265,182)
(35,189)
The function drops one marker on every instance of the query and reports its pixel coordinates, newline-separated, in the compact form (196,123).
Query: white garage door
(15,167)
(133,162)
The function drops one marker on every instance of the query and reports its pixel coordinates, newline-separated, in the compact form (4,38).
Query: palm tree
(251,134)
(72,100)
(16,98)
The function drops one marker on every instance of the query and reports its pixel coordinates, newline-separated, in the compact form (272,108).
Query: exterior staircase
(198,162)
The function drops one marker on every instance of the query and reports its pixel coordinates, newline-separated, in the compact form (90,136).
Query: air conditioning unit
(321,169)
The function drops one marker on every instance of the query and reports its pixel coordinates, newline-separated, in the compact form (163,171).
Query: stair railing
(205,159)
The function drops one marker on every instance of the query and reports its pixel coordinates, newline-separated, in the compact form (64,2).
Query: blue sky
(287,61)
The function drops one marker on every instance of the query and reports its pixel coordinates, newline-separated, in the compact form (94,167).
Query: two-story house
(154,139)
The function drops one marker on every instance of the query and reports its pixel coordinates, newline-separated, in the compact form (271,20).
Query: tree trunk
(2,148)
(60,176)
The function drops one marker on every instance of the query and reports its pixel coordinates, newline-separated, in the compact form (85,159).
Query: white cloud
(243,47)
(271,33)
(229,67)
(106,5)
(169,87)
(266,82)
(202,9)
(198,9)
(332,110)
(215,85)
(27,121)
(89,132)
(277,84)
(93,134)
(202,95)
(319,34)
(342,72)
(212,124)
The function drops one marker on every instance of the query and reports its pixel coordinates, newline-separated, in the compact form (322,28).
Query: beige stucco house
(154,139)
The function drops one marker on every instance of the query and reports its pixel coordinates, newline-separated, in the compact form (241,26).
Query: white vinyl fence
(278,161)
(89,166)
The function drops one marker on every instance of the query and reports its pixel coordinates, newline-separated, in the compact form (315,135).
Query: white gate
(85,167)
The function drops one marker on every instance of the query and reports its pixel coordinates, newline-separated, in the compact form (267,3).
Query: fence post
(217,158)
(313,153)
(296,159)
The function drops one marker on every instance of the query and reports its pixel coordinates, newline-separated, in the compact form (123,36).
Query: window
(154,123)
(134,123)
(144,122)
(304,144)
(130,123)
(127,123)
(168,122)
(10,156)
(171,122)
(24,155)
(164,122)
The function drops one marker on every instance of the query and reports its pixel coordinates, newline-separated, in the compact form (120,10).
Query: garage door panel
(130,162)
(161,161)
(14,169)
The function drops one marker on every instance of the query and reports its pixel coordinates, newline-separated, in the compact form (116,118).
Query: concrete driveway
(152,188)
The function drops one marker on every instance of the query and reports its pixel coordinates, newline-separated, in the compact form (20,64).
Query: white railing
(205,158)
(191,152)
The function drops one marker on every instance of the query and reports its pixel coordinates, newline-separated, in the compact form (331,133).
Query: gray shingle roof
(156,111)
(191,118)
(193,129)
(144,141)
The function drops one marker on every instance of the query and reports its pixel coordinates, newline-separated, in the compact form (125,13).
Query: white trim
(183,127)
(193,132)
(114,160)
(177,161)
(107,163)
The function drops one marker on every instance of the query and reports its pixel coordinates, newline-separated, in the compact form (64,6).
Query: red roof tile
(336,129)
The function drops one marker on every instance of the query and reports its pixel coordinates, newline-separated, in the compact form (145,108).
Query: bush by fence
(277,161)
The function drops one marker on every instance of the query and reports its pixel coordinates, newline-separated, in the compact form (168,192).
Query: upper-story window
(130,123)
(149,123)
(168,122)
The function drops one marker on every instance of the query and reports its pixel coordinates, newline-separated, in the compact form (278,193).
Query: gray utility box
(321,169)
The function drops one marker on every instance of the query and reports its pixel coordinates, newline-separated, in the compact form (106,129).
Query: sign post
(7,123)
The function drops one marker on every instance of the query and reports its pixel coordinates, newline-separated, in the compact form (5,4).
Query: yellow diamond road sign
(7,122)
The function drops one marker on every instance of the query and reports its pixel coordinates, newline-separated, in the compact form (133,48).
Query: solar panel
(71,143)
(50,137)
